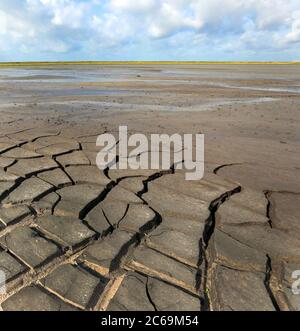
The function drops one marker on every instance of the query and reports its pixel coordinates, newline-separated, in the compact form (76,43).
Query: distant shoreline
(41,63)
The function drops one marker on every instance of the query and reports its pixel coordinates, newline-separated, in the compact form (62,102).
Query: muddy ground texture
(73,237)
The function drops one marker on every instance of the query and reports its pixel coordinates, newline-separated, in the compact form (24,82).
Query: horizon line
(86,62)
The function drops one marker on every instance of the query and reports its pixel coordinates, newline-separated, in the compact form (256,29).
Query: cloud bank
(149,30)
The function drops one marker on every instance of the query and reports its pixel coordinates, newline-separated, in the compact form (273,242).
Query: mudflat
(74,237)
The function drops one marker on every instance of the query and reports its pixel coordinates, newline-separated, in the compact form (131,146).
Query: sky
(204,30)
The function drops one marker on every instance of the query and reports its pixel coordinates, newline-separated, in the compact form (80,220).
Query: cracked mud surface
(73,237)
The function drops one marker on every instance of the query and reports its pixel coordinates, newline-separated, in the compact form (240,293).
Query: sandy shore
(147,239)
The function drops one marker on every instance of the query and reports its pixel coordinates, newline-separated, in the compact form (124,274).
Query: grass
(65,63)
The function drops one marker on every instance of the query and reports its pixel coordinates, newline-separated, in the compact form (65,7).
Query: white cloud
(109,30)
(171,19)
(142,6)
(294,34)
(147,28)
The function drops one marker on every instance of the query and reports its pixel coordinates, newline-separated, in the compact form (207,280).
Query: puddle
(66,75)
(43,78)
(210,105)
(292,89)
(77,92)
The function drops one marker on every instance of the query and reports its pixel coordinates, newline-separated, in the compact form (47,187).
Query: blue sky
(149,30)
